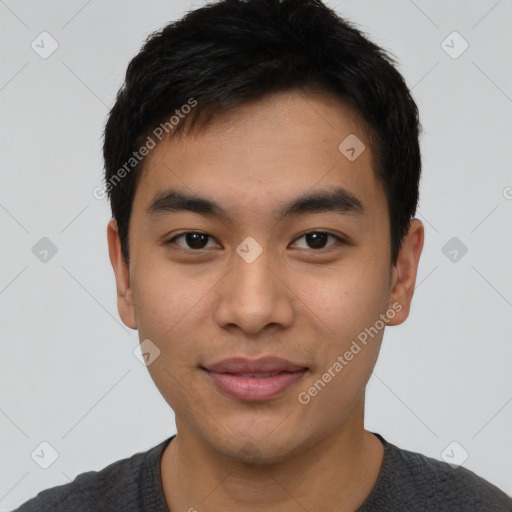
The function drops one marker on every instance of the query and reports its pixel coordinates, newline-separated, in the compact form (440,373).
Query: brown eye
(194,240)
(318,239)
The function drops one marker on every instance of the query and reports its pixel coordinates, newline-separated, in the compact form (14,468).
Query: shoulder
(115,487)
(412,481)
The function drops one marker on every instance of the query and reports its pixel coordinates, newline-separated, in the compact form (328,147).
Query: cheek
(344,308)
(166,297)
(345,313)
(170,308)
(344,299)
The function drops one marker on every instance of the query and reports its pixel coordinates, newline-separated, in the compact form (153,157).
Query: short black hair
(234,51)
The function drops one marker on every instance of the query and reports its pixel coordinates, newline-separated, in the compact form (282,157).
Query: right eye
(195,239)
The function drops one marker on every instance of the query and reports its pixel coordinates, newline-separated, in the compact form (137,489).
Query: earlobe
(125,303)
(405,271)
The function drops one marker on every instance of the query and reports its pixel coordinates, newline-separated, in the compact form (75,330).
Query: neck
(337,473)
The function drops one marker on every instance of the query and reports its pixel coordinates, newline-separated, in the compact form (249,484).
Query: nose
(254,295)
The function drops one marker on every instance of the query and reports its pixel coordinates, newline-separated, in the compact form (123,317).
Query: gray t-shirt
(407,482)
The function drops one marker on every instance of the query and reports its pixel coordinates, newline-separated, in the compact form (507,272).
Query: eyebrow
(338,200)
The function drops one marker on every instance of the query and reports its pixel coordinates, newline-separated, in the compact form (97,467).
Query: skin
(295,301)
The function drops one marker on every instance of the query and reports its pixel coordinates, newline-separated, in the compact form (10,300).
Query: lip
(233,377)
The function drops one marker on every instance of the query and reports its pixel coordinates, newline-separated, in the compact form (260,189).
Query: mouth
(257,380)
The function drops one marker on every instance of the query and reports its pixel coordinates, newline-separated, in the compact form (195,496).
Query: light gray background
(68,374)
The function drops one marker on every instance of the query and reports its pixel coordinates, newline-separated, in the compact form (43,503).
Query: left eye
(318,239)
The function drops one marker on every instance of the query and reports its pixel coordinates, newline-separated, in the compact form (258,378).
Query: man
(262,162)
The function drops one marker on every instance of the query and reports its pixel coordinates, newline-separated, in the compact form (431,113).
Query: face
(311,284)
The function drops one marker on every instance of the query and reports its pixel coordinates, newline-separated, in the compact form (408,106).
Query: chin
(256,445)
(257,453)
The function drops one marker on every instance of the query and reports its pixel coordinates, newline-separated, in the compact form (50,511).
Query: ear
(125,304)
(403,277)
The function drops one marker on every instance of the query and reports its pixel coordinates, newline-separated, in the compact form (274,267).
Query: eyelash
(338,240)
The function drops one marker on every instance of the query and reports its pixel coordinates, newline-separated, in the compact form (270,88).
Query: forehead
(267,151)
